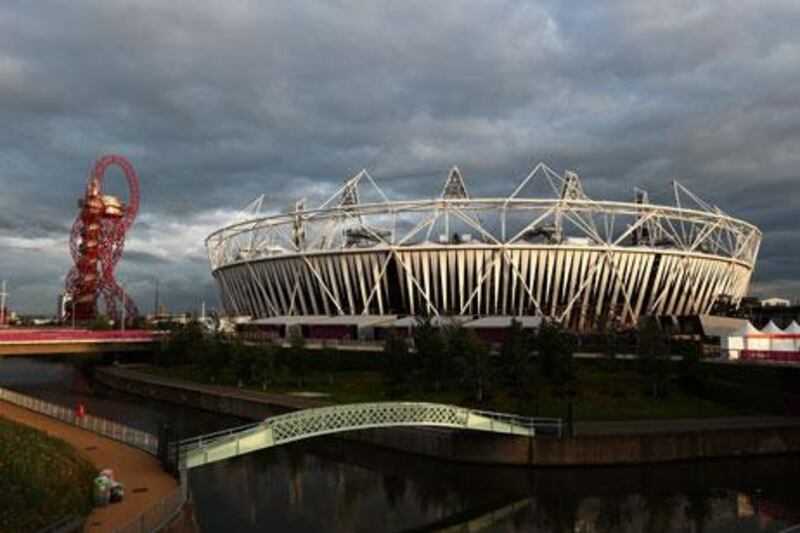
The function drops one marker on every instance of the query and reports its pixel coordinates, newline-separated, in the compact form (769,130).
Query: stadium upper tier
(554,253)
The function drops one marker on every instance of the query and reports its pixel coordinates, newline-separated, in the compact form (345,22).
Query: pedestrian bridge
(309,423)
(63,341)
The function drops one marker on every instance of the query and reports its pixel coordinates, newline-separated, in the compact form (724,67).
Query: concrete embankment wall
(475,446)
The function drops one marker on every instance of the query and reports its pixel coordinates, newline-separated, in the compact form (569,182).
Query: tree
(185,344)
(528,401)
(432,354)
(691,374)
(100,323)
(140,322)
(241,361)
(298,358)
(608,349)
(395,363)
(653,356)
(556,357)
(215,355)
(476,369)
(546,352)
(326,361)
(296,340)
(264,365)
(514,358)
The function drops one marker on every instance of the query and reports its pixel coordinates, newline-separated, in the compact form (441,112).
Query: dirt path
(145,482)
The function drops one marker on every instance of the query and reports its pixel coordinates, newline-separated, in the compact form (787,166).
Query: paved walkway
(681,425)
(145,481)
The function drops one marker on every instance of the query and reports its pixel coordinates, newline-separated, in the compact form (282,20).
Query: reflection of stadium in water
(331,485)
(547,249)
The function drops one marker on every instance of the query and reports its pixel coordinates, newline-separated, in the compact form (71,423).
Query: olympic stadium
(545,250)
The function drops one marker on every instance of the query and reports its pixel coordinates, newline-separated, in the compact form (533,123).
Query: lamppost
(122,305)
(3,295)
(3,312)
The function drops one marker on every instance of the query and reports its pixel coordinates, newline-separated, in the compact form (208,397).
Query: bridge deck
(319,421)
(21,341)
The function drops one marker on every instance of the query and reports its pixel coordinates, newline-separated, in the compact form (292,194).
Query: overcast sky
(217,102)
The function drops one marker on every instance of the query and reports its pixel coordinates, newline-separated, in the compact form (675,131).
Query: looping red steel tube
(96,243)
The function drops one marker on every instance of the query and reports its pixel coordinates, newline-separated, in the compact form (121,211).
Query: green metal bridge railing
(309,423)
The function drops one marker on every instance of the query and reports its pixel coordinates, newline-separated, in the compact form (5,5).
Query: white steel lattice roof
(558,253)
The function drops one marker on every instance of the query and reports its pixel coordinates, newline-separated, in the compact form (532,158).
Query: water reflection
(331,485)
(328,485)
(61,382)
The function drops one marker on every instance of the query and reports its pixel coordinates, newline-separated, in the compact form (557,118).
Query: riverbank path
(145,482)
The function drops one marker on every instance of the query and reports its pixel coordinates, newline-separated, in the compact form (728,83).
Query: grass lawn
(341,387)
(599,397)
(42,479)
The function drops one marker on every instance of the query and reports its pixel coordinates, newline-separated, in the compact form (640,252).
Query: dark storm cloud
(145,258)
(218,102)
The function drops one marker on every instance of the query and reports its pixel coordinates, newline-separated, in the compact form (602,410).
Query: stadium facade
(556,253)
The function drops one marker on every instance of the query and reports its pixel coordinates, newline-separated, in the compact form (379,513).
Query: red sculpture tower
(96,243)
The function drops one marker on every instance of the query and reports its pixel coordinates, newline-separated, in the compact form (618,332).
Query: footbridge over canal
(65,341)
(315,422)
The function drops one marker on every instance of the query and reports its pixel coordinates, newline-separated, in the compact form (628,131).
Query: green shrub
(42,479)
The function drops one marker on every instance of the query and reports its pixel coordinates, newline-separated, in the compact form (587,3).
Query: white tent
(793,328)
(783,343)
(778,341)
(771,328)
(758,344)
(759,341)
(771,342)
(733,344)
(794,331)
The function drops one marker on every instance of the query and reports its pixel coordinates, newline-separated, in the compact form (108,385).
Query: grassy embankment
(42,479)
(603,394)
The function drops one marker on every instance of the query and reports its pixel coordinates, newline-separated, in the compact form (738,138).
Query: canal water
(328,485)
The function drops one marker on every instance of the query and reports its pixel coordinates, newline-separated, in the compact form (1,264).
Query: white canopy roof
(721,326)
(771,328)
(349,320)
(504,322)
(794,327)
(286,320)
(437,321)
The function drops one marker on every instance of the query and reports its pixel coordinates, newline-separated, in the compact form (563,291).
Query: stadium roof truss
(557,253)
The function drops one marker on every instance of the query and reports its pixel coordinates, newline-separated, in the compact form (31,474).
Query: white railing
(307,423)
(133,437)
(205,439)
(157,516)
(537,424)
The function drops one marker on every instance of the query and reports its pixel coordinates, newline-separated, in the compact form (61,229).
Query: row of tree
(530,360)
(225,355)
(454,357)
(446,359)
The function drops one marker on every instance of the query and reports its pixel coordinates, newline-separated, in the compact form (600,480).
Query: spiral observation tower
(547,249)
(96,243)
